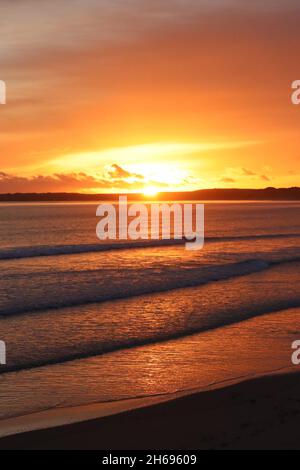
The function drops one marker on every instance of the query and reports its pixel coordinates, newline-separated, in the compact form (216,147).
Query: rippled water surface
(90,323)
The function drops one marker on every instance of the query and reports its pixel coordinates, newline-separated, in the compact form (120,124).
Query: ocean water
(87,321)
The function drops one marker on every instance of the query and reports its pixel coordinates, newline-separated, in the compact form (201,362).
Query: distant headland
(267,194)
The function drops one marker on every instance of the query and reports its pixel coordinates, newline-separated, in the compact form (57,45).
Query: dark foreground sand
(263,413)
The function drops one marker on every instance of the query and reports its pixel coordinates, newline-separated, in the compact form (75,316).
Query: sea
(86,321)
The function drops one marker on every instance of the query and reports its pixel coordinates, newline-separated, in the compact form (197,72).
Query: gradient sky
(110,95)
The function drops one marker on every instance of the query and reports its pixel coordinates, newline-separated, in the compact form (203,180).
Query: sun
(150,191)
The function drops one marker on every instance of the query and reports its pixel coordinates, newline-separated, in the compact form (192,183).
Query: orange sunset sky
(125,95)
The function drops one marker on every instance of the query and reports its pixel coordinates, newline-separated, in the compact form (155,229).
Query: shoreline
(259,357)
(60,417)
(263,412)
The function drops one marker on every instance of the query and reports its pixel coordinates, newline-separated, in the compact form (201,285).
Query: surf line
(155,221)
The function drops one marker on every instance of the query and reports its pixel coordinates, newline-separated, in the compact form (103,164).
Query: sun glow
(151,153)
(150,191)
(148,169)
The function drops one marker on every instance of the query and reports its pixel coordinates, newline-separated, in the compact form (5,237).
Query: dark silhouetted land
(267,194)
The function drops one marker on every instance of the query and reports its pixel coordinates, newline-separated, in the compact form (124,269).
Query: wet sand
(263,413)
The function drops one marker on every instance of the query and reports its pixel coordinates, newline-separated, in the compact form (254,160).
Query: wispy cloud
(227,180)
(238,174)
(157,152)
(248,172)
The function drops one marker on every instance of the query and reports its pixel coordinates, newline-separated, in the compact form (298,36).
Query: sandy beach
(262,413)
(250,399)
